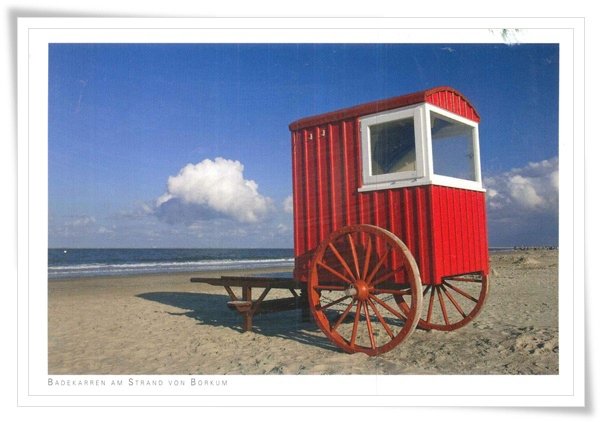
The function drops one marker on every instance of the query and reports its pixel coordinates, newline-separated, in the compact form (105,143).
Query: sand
(163,324)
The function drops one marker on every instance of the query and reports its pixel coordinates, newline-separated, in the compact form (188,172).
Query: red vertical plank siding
(483,236)
(389,213)
(381,210)
(364,202)
(407,215)
(350,167)
(422,247)
(312,191)
(445,209)
(464,230)
(436,239)
(451,225)
(459,106)
(309,204)
(320,163)
(391,208)
(296,192)
(303,200)
(457,259)
(469,207)
(325,199)
(334,177)
(477,227)
(454,103)
(460,250)
(482,250)
(300,200)
(461,233)
(345,184)
(467,252)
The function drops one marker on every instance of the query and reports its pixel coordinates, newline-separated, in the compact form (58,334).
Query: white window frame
(438,179)
(424,173)
(381,181)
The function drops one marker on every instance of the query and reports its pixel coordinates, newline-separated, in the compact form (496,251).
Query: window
(452,144)
(390,146)
(393,147)
(419,145)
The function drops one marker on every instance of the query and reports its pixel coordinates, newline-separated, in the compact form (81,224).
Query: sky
(187,145)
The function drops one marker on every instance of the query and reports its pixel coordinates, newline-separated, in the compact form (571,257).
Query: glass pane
(393,147)
(452,148)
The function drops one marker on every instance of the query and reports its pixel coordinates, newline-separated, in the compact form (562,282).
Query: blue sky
(136,131)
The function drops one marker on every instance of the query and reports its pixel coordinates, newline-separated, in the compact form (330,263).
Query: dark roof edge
(374,107)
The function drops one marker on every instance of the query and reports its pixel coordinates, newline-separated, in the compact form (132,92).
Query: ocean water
(77,263)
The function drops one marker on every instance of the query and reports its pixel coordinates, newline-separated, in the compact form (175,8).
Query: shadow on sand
(210,309)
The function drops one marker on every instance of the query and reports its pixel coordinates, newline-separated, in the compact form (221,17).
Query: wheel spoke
(380,318)
(369,327)
(388,307)
(430,309)
(454,302)
(343,316)
(460,292)
(443,305)
(367,256)
(334,272)
(386,276)
(341,260)
(354,255)
(404,309)
(330,304)
(332,287)
(377,266)
(355,326)
(405,292)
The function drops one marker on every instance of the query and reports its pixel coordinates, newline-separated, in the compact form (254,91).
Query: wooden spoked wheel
(364,289)
(453,303)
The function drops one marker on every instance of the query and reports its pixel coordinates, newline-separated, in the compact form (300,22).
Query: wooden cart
(389,222)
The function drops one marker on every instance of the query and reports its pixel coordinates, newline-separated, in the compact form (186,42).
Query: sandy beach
(163,324)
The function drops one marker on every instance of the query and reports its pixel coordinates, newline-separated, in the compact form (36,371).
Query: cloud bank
(212,189)
(523,205)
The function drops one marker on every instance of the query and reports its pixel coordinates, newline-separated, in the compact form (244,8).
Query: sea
(79,263)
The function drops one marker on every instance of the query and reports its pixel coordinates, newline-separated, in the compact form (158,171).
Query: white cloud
(533,187)
(288,204)
(523,204)
(523,192)
(74,226)
(104,230)
(137,211)
(81,221)
(214,188)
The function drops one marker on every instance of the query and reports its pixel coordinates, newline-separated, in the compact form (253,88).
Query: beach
(163,324)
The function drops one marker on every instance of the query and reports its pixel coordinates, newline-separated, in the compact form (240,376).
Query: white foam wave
(59,271)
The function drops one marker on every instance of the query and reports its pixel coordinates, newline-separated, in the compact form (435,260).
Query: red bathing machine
(389,218)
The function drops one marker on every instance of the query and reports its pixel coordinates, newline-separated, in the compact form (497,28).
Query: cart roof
(442,96)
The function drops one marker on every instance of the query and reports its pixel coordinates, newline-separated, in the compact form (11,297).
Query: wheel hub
(362,290)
